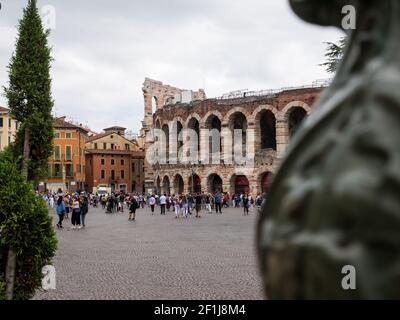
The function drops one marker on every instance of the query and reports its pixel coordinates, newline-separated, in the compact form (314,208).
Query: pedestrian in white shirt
(152,203)
(163,202)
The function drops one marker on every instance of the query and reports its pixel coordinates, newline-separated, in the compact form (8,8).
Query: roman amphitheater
(267,120)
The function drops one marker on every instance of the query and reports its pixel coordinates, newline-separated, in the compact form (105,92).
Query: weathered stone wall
(265,160)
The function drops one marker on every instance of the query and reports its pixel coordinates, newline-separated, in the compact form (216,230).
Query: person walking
(163,203)
(184,207)
(84,210)
(246,204)
(76,214)
(177,206)
(152,203)
(189,201)
(218,202)
(60,211)
(208,203)
(132,208)
(198,205)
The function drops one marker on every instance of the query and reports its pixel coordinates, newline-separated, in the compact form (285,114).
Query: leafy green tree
(30,101)
(334,54)
(26,226)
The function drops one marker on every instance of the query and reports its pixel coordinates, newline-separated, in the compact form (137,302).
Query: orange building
(67,166)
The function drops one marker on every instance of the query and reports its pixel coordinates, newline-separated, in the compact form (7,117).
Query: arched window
(238,121)
(267,130)
(213,124)
(214,183)
(178,184)
(296,116)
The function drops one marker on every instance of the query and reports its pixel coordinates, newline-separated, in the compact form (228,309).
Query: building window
(83,169)
(122,162)
(127,147)
(103,174)
(57,170)
(68,153)
(57,153)
(112,162)
(104,145)
(69,170)
(9,123)
(103,162)
(122,174)
(57,135)
(1,122)
(133,167)
(68,135)
(112,175)
(112,146)
(95,145)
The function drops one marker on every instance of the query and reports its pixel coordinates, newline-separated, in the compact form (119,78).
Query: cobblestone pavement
(158,257)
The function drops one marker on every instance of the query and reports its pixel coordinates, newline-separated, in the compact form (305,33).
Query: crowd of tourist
(75,206)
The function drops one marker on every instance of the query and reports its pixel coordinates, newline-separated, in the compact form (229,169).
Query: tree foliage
(29,91)
(26,225)
(334,54)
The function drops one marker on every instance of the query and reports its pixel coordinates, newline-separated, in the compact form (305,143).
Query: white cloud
(103,50)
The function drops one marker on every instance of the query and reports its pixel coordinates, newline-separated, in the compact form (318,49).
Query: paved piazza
(158,257)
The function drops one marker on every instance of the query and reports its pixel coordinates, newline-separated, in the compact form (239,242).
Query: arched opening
(178,184)
(195,126)
(296,116)
(166,186)
(213,124)
(267,130)
(238,121)
(158,185)
(154,102)
(265,182)
(179,139)
(165,148)
(240,184)
(214,183)
(194,184)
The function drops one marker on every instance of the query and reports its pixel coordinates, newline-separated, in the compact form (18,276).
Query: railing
(272,92)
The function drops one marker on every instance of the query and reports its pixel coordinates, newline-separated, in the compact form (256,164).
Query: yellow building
(8,128)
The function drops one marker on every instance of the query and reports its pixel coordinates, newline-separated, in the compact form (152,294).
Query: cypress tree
(29,94)
(30,101)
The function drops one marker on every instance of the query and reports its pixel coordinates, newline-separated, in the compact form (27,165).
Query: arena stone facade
(267,120)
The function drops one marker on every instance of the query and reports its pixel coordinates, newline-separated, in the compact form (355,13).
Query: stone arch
(266,107)
(284,114)
(193,123)
(165,148)
(194,183)
(228,116)
(265,120)
(179,184)
(239,184)
(166,185)
(214,183)
(158,185)
(192,116)
(264,180)
(157,123)
(176,126)
(237,119)
(216,113)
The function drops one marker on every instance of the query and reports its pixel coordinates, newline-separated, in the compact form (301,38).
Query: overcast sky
(103,50)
